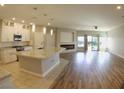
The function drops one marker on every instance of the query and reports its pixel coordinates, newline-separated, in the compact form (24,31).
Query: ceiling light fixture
(118,7)
(44,30)
(23,21)
(48,24)
(13,18)
(33,27)
(35,8)
(31,23)
(51,32)
(95,27)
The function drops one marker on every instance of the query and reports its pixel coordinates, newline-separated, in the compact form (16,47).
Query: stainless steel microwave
(17,37)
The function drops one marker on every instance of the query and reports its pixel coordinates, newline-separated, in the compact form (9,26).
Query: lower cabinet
(8,55)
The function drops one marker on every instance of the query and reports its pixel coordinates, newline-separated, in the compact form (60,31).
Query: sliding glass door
(92,43)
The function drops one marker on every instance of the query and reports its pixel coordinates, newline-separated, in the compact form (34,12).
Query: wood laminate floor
(91,70)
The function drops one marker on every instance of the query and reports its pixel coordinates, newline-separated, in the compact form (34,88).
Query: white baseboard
(44,74)
(32,73)
(117,54)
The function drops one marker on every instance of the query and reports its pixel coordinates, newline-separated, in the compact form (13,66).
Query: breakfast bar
(39,62)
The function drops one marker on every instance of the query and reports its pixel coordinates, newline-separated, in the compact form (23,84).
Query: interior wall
(116,41)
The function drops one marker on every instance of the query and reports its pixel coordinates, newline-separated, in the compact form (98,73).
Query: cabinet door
(23,34)
(8,55)
(10,35)
(27,35)
(7,35)
(4,36)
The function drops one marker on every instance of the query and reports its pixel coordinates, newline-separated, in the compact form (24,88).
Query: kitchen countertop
(40,53)
(4,74)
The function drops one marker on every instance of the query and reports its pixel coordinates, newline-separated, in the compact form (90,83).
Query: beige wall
(116,41)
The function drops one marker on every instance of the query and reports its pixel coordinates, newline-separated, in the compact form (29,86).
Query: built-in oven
(17,37)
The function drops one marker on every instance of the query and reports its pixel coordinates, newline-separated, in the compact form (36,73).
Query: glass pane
(89,43)
(95,43)
(80,40)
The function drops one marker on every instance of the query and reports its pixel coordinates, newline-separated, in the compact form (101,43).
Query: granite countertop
(40,53)
(4,74)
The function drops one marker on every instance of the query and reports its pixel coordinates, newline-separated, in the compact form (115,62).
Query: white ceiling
(80,17)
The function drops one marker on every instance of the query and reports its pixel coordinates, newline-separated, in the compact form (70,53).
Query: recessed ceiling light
(31,23)
(48,24)
(33,27)
(23,21)
(2,4)
(13,18)
(44,30)
(118,7)
(51,32)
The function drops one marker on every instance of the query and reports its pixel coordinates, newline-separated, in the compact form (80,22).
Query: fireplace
(68,46)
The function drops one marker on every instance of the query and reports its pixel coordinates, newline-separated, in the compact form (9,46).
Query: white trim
(33,73)
(45,73)
(117,54)
(40,75)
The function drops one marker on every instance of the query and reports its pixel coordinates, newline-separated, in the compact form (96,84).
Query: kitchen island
(39,62)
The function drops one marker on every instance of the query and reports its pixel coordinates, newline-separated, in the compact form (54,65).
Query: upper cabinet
(8,29)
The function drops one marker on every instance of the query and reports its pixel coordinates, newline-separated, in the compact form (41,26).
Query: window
(80,40)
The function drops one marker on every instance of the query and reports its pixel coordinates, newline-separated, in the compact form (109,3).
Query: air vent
(35,8)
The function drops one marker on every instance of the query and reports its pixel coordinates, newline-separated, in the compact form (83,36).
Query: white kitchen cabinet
(7,35)
(4,36)
(8,31)
(23,35)
(27,35)
(8,55)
